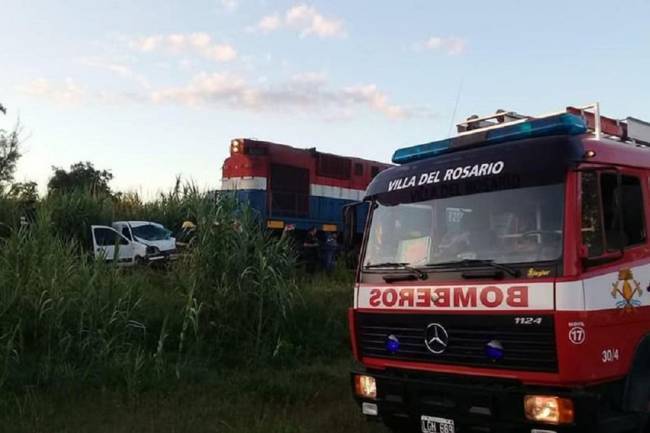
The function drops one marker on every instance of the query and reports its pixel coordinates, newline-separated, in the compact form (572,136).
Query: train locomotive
(297,188)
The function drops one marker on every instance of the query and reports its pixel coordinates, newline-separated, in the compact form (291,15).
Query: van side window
(108,238)
(105,237)
(612,212)
(592,224)
(126,233)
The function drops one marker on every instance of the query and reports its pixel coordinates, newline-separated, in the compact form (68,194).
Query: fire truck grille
(526,347)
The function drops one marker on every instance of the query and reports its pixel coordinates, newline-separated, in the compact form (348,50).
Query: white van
(110,245)
(158,240)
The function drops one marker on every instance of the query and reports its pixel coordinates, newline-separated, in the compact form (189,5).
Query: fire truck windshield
(507,226)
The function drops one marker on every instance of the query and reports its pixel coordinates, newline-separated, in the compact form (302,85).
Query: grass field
(310,393)
(312,398)
(233,337)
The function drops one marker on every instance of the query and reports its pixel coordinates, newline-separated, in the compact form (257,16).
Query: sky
(153,89)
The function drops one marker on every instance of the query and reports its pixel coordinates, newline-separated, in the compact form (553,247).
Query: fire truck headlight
(548,409)
(365,386)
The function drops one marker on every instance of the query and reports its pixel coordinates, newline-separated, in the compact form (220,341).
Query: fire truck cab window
(619,200)
(592,224)
(508,226)
(633,214)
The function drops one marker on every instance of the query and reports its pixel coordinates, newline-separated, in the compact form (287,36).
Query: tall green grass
(235,299)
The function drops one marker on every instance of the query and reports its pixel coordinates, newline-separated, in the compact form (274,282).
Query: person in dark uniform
(330,249)
(311,246)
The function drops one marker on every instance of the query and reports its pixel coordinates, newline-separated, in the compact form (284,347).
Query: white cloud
(305,19)
(204,88)
(451,45)
(119,69)
(313,78)
(309,92)
(270,23)
(67,92)
(370,95)
(179,43)
(229,5)
(308,20)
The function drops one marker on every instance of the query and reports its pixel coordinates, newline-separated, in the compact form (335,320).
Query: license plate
(432,424)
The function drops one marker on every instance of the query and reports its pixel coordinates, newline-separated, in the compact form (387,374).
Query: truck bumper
(162,256)
(482,405)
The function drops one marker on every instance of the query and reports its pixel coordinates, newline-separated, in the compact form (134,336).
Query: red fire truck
(504,279)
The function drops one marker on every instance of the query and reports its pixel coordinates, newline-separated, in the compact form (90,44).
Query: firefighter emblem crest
(627,287)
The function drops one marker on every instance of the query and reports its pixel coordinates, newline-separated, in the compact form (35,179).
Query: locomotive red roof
(261,154)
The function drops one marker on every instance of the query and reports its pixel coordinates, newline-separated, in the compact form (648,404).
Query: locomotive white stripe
(260,183)
(337,192)
(246,182)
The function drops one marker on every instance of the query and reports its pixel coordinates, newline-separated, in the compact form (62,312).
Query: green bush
(232,300)
(71,214)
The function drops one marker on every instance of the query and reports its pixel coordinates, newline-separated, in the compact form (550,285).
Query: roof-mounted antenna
(453,114)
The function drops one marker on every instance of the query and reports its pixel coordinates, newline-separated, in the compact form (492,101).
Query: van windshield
(151,232)
(507,226)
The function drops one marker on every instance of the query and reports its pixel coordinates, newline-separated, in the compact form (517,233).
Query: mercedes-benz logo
(436,338)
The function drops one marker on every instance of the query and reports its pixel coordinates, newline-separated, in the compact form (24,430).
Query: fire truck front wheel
(636,394)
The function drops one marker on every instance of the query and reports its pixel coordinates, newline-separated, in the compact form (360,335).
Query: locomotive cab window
(358,169)
(612,212)
(256,151)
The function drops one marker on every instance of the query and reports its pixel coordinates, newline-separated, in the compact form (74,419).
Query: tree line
(81,175)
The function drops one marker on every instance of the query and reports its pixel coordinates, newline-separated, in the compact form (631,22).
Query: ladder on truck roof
(629,130)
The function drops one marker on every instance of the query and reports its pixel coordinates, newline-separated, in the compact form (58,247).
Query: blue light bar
(561,124)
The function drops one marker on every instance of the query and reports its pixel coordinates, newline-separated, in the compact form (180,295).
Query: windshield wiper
(479,262)
(394,265)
